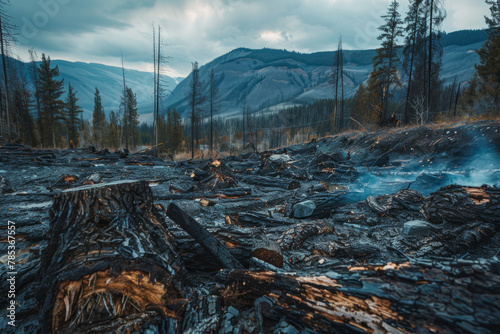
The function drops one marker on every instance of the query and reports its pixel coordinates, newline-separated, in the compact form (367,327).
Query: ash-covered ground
(355,199)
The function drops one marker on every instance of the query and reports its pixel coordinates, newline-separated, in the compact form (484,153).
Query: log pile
(345,234)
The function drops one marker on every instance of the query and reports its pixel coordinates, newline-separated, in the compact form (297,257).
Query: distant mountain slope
(85,77)
(267,77)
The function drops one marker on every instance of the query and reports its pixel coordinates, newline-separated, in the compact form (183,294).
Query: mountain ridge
(264,78)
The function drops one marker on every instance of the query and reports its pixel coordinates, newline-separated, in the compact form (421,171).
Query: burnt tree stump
(109,263)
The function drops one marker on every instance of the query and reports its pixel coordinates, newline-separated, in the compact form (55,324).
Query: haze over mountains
(265,78)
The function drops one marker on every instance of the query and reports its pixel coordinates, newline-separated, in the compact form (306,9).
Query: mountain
(85,77)
(274,78)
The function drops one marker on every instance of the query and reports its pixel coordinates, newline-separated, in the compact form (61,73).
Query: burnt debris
(391,231)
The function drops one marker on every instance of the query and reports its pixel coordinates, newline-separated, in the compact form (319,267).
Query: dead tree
(109,261)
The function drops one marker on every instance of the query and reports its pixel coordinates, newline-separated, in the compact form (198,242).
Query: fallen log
(461,205)
(421,297)
(221,193)
(255,220)
(326,202)
(200,234)
(272,182)
(236,240)
(109,261)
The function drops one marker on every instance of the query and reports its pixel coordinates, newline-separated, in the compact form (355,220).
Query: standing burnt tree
(196,98)
(6,37)
(423,54)
(386,61)
(338,81)
(213,101)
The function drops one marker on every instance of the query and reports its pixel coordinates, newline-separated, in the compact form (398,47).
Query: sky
(201,30)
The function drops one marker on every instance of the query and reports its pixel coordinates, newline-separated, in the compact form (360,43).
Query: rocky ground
(422,198)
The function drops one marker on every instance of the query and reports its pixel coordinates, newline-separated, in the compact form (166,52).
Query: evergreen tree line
(170,133)
(42,114)
(405,85)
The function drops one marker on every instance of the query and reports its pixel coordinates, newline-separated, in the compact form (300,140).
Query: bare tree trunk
(407,117)
(429,90)
(125,105)
(5,76)
(157,118)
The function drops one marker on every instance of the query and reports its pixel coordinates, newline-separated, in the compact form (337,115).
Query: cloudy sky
(201,30)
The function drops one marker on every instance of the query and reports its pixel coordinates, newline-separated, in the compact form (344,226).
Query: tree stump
(109,262)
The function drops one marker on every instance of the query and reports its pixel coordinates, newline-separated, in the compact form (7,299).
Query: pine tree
(386,60)
(34,68)
(488,70)
(98,121)
(113,138)
(50,91)
(177,131)
(73,112)
(130,117)
(21,105)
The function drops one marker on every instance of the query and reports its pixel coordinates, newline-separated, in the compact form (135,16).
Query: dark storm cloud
(201,30)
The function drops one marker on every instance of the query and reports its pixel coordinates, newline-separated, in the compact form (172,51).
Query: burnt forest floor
(351,199)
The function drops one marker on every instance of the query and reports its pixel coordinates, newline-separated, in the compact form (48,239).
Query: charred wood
(203,237)
(108,259)
(423,298)
(461,205)
(264,181)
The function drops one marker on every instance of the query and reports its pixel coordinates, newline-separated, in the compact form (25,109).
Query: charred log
(423,298)
(202,236)
(222,193)
(461,205)
(251,219)
(272,182)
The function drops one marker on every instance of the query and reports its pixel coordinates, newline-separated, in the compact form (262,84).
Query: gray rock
(279,158)
(418,227)
(303,209)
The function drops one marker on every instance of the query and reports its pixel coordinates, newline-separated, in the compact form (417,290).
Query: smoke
(476,163)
